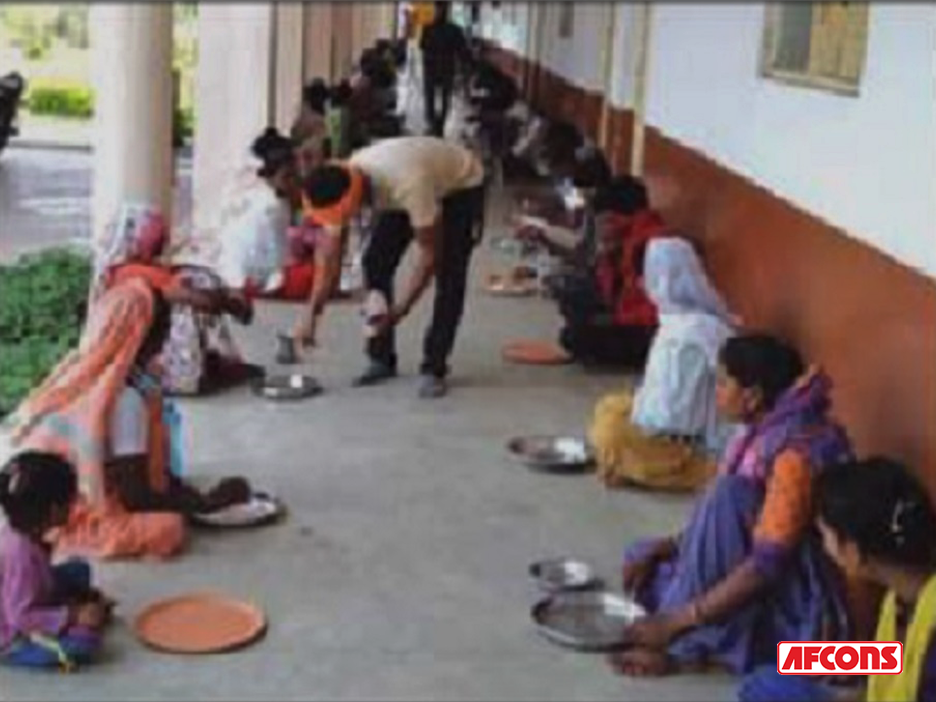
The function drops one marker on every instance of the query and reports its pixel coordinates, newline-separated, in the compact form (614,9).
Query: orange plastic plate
(203,622)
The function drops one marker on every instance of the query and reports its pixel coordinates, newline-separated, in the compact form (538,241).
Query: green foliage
(42,311)
(28,28)
(60,98)
(72,25)
(185,51)
(183,126)
(37,51)
(35,28)
(184,13)
(51,35)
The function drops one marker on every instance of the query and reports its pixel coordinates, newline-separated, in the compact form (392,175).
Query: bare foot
(641,663)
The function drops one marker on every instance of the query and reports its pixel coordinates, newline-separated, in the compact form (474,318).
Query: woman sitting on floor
(266,249)
(101,409)
(665,435)
(609,318)
(200,355)
(748,570)
(878,524)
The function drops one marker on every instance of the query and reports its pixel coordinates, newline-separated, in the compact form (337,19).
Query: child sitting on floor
(50,617)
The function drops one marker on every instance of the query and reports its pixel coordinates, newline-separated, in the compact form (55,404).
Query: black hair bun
(882,507)
(262,143)
(269,143)
(315,95)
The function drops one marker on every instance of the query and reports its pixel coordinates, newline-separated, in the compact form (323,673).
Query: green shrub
(42,311)
(188,122)
(36,52)
(60,99)
(183,125)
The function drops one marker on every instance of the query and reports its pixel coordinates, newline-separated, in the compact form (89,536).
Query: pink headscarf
(137,233)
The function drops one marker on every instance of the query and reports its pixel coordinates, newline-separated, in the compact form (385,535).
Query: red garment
(298,279)
(159,277)
(297,284)
(619,280)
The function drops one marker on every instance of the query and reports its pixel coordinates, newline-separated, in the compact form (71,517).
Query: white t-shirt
(129,434)
(414,174)
(254,240)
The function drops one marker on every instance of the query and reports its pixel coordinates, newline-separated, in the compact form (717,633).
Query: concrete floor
(401,571)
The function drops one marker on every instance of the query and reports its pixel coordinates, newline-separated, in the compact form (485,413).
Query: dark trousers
(601,343)
(591,336)
(437,87)
(389,239)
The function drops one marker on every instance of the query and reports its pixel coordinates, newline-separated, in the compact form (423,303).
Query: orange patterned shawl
(70,413)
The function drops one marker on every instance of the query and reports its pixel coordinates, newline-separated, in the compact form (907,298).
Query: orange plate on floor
(535,352)
(203,622)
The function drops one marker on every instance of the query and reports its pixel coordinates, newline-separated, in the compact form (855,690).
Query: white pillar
(318,41)
(342,41)
(132,73)
(289,61)
(642,70)
(372,21)
(606,68)
(232,101)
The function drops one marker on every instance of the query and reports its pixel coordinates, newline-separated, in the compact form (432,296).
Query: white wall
(512,36)
(624,61)
(866,164)
(578,59)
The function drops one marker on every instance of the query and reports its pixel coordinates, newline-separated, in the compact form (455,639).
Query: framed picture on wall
(566,20)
